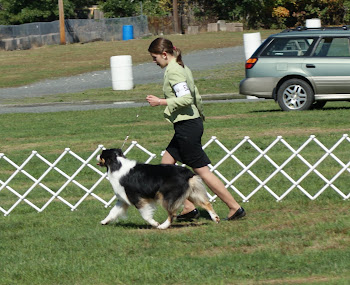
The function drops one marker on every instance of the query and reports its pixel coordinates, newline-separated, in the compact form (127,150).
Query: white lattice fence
(246,169)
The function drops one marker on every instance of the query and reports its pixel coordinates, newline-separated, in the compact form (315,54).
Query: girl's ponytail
(178,56)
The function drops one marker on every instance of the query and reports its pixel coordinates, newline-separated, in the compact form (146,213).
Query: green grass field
(295,241)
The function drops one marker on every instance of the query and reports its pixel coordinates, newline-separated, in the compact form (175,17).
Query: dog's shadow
(149,227)
(203,220)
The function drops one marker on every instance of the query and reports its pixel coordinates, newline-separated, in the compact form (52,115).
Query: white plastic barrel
(251,42)
(121,68)
(313,23)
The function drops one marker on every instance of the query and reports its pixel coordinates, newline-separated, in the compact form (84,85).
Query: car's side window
(288,47)
(331,47)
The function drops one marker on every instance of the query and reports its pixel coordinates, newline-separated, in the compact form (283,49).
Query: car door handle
(310,66)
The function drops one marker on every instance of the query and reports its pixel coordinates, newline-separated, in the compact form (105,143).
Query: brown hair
(160,45)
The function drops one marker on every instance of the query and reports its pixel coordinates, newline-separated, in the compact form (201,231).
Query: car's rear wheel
(295,95)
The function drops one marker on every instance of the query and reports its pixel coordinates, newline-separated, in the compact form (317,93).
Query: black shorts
(186,144)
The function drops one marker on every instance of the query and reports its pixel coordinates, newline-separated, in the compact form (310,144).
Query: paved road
(142,73)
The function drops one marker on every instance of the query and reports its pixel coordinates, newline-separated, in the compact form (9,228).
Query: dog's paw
(165,225)
(215,218)
(162,227)
(104,222)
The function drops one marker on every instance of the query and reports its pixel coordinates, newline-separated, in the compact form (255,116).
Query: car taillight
(250,62)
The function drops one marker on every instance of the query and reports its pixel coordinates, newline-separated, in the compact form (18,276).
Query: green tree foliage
(331,12)
(347,11)
(157,8)
(118,8)
(127,8)
(253,13)
(275,13)
(13,12)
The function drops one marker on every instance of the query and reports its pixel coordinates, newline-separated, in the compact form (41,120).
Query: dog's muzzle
(101,161)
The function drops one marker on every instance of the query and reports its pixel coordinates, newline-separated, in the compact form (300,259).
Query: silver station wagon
(301,68)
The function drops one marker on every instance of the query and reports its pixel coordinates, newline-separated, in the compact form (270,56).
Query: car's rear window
(288,47)
(331,47)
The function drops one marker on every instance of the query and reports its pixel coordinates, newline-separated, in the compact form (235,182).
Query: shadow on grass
(334,108)
(266,111)
(323,109)
(204,220)
(149,227)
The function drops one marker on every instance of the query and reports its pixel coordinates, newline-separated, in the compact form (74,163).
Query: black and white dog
(142,185)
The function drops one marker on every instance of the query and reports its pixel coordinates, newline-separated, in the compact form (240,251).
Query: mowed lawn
(297,241)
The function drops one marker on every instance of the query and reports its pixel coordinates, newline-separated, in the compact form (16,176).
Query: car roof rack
(303,28)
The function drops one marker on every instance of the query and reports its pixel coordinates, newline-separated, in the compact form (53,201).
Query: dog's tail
(198,195)
(197,189)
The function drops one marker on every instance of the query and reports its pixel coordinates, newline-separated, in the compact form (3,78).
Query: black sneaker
(194,214)
(240,213)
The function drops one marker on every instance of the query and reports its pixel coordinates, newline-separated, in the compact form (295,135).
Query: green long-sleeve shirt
(185,107)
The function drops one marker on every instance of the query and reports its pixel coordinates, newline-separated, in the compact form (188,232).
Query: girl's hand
(153,100)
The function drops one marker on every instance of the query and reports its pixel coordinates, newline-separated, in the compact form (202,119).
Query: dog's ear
(108,156)
(118,152)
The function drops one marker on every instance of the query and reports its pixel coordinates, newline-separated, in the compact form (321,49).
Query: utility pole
(61,18)
(176,17)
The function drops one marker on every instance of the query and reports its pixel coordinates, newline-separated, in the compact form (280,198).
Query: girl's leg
(188,207)
(167,158)
(216,185)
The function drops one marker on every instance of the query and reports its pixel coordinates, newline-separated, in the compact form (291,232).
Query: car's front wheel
(295,95)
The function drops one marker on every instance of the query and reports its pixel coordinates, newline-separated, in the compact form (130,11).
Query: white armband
(181,89)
